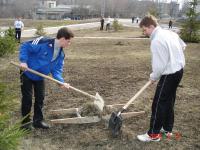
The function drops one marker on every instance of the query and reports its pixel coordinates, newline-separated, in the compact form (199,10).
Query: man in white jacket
(168,62)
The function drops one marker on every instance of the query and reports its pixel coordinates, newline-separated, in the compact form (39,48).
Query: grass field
(116,69)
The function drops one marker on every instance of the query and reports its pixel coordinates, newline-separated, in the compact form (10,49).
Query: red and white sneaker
(148,138)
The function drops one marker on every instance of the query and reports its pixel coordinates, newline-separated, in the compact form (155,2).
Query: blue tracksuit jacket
(38,54)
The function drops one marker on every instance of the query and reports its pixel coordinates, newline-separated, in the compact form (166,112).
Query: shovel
(98,100)
(115,121)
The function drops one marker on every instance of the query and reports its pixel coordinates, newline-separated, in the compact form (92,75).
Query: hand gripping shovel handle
(115,122)
(54,80)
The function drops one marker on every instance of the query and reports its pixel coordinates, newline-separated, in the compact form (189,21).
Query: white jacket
(167,53)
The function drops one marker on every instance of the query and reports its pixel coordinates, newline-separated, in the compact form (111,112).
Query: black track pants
(18,34)
(27,86)
(163,103)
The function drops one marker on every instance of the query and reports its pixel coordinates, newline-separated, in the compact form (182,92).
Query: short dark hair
(148,20)
(64,32)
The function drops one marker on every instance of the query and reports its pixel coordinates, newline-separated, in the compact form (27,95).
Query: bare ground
(117,69)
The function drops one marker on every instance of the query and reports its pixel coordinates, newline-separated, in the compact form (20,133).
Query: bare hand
(65,85)
(152,81)
(23,66)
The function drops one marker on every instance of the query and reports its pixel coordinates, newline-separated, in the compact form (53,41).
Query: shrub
(10,32)
(116,25)
(8,42)
(190,31)
(10,133)
(40,30)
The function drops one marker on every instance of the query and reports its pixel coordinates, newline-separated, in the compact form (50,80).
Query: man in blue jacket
(46,56)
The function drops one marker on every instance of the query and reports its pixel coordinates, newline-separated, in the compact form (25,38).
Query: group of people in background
(19,25)
(135,19)
(108,23)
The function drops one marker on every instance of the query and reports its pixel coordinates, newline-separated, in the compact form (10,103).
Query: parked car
(67,18)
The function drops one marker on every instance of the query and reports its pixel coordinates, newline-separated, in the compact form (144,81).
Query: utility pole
(103,6)
(171,9)
(159,8)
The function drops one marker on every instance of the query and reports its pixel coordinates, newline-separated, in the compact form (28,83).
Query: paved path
(53,30)
(109,37)
(128,23)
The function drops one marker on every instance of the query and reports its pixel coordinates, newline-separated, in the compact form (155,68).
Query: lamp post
(158,8)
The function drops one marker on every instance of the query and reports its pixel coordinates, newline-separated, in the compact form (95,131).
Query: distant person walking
(102,23)
(108,22)
(19,25)
(170,24)
(137,20)
(133,19)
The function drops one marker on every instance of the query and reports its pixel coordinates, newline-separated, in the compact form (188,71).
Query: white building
(50,4)
(50,10)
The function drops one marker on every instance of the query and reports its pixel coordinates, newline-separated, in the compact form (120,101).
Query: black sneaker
(41,124)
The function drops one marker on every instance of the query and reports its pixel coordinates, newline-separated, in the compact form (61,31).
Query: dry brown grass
(117,72)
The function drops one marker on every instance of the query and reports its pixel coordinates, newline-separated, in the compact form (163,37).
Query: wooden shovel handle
(52,79)
(136,95)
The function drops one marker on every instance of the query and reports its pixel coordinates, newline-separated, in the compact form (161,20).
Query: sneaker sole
(152,140)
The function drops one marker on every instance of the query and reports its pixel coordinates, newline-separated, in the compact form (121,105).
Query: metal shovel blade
(99,102)
(115,124)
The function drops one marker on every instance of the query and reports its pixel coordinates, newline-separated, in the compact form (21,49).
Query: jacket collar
(154,32)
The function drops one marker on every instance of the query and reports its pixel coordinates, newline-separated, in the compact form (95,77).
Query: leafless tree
(17,8)
(113,8)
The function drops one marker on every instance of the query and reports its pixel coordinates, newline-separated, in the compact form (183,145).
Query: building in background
(167,10)
(50,10)
(81,9)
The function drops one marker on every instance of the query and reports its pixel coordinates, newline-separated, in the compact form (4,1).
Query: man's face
(147,30)
(64,42)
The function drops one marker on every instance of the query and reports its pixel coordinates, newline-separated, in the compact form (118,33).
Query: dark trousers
(163,103)
(108,26)
(102,24)
(27,86)
(17,34)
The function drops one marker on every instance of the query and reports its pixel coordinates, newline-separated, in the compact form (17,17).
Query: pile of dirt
(88,109)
